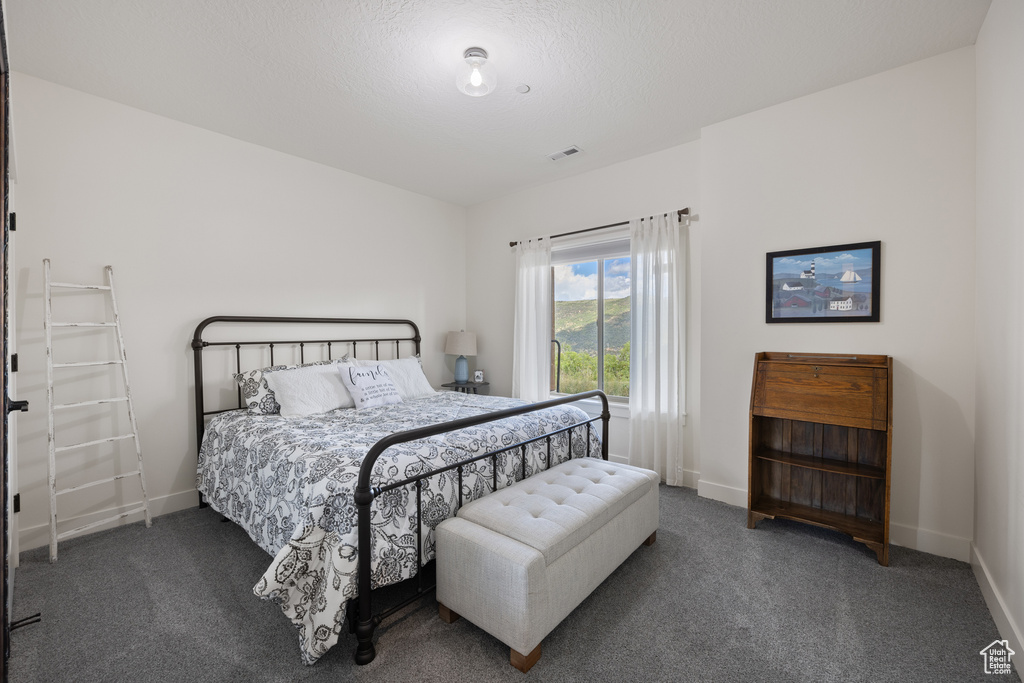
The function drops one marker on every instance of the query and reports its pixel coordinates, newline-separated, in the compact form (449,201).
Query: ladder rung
(87,363)
(90,525)
(59,449)
(97,483)
(116,399)
(114,322)
(71,285)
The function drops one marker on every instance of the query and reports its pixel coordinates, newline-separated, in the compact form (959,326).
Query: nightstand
(467,388)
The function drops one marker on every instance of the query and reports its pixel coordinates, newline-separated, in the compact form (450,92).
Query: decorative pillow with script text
(369,385)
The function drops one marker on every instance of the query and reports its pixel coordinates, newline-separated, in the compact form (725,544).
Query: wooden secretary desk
(821,443)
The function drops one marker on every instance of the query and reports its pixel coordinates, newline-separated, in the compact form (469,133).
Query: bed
(345,501)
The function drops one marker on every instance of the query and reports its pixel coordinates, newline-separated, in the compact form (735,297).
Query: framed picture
(837,284)
(478,376)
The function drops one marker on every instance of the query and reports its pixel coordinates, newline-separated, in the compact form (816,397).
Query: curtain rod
(680,213)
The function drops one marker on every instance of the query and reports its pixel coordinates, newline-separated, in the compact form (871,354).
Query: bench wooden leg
(651,539)
(524,662)
(447,616)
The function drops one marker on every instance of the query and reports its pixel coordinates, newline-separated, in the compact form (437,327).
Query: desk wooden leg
(755,517)
(881,550)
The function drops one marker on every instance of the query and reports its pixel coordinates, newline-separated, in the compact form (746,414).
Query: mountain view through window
(591,325)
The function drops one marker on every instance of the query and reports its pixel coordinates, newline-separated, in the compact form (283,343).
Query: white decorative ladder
(54,407)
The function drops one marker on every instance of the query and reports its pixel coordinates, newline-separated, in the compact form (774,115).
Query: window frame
(608,247)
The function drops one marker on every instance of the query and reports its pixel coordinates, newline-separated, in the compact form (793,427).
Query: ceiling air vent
(568,151)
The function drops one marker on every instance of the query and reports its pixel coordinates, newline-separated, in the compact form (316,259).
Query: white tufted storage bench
(519,560)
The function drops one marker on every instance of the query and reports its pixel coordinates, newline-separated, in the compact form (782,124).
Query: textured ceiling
(368,86)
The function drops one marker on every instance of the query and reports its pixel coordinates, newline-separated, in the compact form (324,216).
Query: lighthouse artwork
(824,284)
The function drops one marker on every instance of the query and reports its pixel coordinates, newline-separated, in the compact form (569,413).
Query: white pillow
(407,374)
(309,390)
(257,393)
(370,385)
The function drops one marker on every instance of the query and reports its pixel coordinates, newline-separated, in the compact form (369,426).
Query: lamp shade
(460,344)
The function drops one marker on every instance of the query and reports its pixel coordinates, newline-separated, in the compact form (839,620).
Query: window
(591,318)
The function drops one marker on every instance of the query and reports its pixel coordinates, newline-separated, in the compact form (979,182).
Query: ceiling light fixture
(477,77)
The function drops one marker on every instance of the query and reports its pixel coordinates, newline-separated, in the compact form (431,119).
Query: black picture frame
(840,283)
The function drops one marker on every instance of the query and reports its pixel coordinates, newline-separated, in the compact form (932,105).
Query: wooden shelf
(838,408)
(863,530)
(852,469)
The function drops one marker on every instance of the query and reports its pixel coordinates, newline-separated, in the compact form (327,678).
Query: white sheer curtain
(531,351)
(657,356)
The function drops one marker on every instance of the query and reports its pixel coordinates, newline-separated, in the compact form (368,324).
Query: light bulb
(477,76)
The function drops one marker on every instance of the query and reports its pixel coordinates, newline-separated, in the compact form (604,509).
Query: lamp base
(461,370)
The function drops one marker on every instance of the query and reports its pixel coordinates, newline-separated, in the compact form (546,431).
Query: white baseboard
(924,540)
(1008,628)
(36,536)
(726,494)
(928,541)
(690,477)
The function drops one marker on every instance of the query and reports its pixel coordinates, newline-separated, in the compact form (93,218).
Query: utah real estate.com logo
(997,657)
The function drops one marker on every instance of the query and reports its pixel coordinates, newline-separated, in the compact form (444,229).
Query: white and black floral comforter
(289,483)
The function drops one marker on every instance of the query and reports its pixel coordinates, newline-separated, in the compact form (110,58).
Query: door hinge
(14,362)
(17,502)
(14,222)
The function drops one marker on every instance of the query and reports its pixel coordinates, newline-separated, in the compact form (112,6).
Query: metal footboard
(365,621)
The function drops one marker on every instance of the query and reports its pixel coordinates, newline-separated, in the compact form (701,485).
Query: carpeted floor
(710,601)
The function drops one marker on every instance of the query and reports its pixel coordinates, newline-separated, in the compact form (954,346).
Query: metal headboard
(362,620)
(371,346)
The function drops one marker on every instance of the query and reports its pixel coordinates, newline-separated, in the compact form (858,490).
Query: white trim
(37,536)
(1007,627)
(725,494)
(615,234)
(589,250)
(691,479)
(592,406)
(928,541)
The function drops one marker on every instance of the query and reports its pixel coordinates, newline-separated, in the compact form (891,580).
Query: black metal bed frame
(361,619)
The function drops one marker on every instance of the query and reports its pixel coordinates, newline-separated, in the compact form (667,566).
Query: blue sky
(829,262)
(578,281)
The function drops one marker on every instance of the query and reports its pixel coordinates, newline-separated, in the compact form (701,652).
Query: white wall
(999,449)
(890,158)
(199,224)
(655,183)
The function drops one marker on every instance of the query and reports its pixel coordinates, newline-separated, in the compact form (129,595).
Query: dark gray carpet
(710,601)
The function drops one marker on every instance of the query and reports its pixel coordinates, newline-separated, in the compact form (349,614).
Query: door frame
(5,589)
